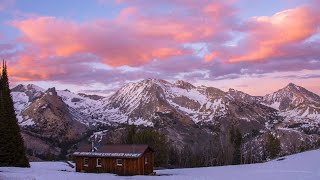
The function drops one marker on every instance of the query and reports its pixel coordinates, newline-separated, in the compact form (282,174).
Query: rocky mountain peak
(52,91)
(239,95)
(292,88)
(236,93)
(31,91)
(93,97)
(29,87)
(19,88)
(211,92)
(50,116)
(294,102)
(184,85)
(291,85)
(295,91)
(34,87)
(153,81)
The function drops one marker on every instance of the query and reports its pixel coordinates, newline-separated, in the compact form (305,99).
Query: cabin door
(146,164)
(119,170)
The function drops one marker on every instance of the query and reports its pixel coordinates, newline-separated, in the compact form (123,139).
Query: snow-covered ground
(303,166)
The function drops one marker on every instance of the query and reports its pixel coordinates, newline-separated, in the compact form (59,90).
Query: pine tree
(156,140)
(131,131)
(12,151)
(273,146)
(236,140)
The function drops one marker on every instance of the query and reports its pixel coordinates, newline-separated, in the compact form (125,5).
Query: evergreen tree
(236,140)
(156,140)
(131,131)
(12,151)
(273,147)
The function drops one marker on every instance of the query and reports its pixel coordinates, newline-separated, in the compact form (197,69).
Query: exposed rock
(93,97)
(185,113)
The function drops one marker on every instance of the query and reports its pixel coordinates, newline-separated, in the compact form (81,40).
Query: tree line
(220,149)
(12,151)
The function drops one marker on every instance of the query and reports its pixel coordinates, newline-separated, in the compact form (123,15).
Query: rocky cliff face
(186,113)
(138,103)
(46,120)
(50,117)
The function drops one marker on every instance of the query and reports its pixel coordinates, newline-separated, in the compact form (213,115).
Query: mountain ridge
(181,110)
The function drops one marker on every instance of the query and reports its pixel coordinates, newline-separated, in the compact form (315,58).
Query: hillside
(295,167)
(188,115)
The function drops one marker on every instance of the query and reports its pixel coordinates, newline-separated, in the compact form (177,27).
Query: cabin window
(85,161)
(119,162)
(145,160)
(98,162)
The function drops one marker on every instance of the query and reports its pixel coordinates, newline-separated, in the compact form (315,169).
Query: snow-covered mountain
(50,116)
(295,103)
(23,96)
(138,102)
(184,112)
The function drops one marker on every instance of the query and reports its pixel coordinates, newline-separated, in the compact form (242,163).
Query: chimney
(92,146)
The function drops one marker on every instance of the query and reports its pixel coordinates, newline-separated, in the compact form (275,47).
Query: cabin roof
(114,150)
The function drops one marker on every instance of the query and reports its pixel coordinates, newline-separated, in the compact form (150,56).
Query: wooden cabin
(124,160)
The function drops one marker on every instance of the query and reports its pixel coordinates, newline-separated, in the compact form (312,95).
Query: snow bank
(303,166)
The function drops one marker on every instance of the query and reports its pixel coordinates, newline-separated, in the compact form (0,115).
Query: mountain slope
(295,102)
(48,127)
(139,103)
(50,117)
(185,113)
(23,95)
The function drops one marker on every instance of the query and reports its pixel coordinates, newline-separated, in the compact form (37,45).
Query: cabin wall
(148,168)
(130,166)
(92,165)
(79,164)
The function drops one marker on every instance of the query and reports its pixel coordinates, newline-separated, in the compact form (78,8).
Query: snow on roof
(118,150)
(95,154)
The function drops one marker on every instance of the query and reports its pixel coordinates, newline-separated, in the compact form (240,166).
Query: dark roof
(114,150)
(86,148)
(123,148)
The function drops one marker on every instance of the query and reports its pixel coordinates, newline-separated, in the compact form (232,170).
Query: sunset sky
(256,46)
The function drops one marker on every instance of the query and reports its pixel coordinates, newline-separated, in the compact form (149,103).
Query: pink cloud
(210,56)
(41,70)
(61,49)
(132,38)
(267,37)
(126,13)
(115,44)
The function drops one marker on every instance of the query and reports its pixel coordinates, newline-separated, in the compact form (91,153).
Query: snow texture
(294,103)
(303,166)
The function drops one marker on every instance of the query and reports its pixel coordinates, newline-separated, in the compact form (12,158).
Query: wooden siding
(130,166)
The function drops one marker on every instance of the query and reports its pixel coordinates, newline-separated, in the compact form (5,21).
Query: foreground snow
(303,166)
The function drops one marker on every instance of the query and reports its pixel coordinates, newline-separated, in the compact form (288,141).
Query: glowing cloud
(267,36)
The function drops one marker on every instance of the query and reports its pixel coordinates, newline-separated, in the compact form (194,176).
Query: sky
(96,46)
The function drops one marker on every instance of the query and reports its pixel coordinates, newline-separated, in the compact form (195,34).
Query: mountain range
(53,121)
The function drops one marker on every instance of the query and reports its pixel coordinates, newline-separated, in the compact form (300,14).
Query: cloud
(149,39)
(282,35)
(5,4)
(135,38)
(115,44)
